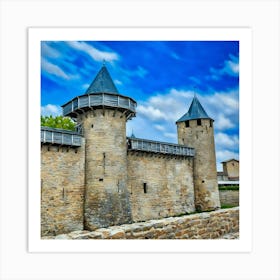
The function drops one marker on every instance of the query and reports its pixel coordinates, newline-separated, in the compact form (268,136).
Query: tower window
(199,122)
(211,123)
(145,187)
(187,123)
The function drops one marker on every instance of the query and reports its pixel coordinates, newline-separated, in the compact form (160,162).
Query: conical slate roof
(196,111)
(102,83)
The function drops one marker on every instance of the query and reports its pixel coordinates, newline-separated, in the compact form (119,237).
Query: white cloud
(151,112)
(139,71)
(85,86)
(167,107)
(229,101)
(230,67)
(171,135)
(53,69)
(224,104)
(51,109)
(225,140)
(195,80)
(223,107)
(159,127)
(117,82)
(94,53)
(223,123)
(48,51)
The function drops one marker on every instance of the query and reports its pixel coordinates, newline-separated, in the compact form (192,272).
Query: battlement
(137,144)
(80,104)
(60,137)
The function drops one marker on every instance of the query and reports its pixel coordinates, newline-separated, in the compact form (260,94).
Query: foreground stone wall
(160,185)
(229,197)
(62,189)
(207,225)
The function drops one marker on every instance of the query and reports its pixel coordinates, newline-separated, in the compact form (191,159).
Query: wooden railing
(159,147)
(60,137)
(99,99)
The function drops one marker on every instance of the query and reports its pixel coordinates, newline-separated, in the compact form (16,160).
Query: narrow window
(63,194)
(199,122)
(104,163)
(145,187)
(211,123)
(187,123)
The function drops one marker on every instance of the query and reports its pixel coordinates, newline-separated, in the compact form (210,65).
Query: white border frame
(243,35)
(262,16)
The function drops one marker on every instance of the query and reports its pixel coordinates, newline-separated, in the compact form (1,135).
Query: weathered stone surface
(201,137)
(117,234)
(229,197)
(231,168)
(168,181)
(216,225)
(107,200)
(62,189)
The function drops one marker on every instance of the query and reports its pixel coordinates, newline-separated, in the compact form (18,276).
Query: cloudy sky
(161,76)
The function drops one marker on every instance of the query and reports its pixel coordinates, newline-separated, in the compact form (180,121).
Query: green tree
(58,122)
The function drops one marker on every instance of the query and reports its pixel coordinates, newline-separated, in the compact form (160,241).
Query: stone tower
(103,113)
(195,129)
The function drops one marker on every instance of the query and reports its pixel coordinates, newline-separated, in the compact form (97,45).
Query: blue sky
(162,77)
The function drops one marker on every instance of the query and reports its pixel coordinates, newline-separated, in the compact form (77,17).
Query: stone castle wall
(66,196)
(102,183)
(229,197)
(159,185)
(208,225)
(62,189)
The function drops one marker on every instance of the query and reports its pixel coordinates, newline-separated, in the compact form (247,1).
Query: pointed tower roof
(132,135)
(102,83)
(196,111)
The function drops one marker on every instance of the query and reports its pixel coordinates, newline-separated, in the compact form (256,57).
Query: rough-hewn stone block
(168,229)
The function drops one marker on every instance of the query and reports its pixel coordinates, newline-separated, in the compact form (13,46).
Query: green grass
(226,206)
(229,188)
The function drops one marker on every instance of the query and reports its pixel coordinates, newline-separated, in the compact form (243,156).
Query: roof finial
(104,62)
